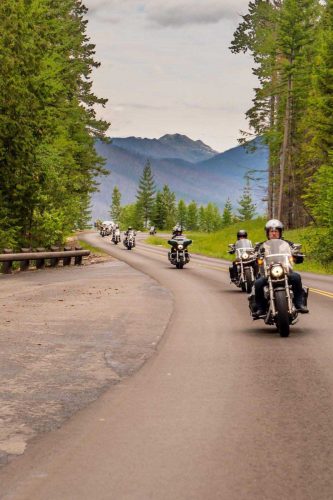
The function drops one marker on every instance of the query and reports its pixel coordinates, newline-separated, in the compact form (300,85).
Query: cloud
(134,105)
(188,12)
(95,6)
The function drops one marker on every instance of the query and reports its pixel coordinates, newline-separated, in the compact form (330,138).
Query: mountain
(169,146)
(193,170)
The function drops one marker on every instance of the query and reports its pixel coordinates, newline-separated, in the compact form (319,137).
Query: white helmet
(274,224)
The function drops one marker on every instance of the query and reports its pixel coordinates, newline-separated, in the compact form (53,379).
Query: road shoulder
(66,336)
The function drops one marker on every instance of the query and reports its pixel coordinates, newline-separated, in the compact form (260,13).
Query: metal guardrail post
(40,262)
(78,258)
(55,260)
(7,267)
(67,260)
(24,264)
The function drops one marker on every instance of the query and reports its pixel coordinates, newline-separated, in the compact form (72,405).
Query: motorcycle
(178,255)
(105,229)
(152,231)
(129,241)
(245,264)
(116,236)
(276,264)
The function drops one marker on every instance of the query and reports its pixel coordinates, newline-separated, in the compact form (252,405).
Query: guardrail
(40,256)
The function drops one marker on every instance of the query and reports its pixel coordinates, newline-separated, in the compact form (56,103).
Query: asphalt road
(226,409)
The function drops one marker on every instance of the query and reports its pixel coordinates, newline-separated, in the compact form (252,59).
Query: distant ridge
(192,169)
(168,146)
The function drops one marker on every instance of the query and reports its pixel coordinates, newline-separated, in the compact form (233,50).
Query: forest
(48,123)
(291,43)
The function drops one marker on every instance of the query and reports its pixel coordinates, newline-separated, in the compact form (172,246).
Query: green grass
(93,250)
(216,244)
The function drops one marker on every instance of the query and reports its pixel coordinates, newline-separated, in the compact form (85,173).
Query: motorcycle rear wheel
(282,313)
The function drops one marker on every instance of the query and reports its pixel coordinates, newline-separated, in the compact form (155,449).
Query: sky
(166,68)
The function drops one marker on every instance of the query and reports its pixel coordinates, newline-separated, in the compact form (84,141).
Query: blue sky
(166,68)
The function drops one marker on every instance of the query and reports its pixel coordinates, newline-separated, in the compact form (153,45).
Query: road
(226,409)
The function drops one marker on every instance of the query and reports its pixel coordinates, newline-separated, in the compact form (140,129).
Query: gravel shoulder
(67,335)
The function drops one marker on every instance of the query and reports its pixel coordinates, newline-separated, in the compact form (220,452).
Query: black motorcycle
(178,255)
(129,241)
(276,264)
(244,270)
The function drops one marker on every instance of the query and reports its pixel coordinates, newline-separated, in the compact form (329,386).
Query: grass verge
(216,244)
(94,250)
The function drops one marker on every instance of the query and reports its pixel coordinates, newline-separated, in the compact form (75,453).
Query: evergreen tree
(227,216)
(146,194)
(165,212)
(115,209)
(247,208)
(281,37)
(181,214)
(48,125)
(169,203)
(160,212)
(202,219)
(192,216)
(130,216)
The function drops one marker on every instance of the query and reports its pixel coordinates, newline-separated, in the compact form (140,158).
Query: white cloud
(187,12)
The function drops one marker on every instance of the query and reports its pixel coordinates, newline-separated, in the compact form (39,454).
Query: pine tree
(115,209)
(182,214)
(247,208)
(227,216)
(280,36)
(146,194)
(169,202)
(160,212)
(192,216)
(48,125)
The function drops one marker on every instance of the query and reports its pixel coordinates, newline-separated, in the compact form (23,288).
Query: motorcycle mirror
(231,245)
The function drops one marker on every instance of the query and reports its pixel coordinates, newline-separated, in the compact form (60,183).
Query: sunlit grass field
(216,244)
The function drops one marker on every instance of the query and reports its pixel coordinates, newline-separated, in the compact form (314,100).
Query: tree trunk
(285,149)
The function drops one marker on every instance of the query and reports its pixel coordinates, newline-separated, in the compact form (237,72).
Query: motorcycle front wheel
(281,305)
(248,280)
(179,265)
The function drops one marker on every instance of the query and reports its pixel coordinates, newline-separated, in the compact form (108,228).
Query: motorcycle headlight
(245,255)
(180,247)
(277,272)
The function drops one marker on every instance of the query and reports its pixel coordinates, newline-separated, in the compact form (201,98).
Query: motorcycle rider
(241,235)
(130,230)
(274,230)
(177,231)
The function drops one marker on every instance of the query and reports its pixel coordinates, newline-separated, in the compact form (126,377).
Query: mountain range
(193,170)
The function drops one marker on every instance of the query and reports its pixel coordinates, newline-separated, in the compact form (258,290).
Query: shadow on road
(262,330)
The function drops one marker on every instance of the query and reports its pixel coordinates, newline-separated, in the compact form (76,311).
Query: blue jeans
(294,280)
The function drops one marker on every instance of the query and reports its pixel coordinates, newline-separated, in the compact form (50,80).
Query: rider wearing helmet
(274,230)
(241,235)
(177,231)
(126,233)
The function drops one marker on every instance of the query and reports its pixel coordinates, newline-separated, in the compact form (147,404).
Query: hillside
(215,177)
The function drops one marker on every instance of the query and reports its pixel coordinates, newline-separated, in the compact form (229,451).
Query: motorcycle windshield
(277,251)
(244,249)
(243,244)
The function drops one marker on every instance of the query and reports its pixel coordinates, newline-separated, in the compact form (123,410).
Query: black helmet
(274,224)
(241,234)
